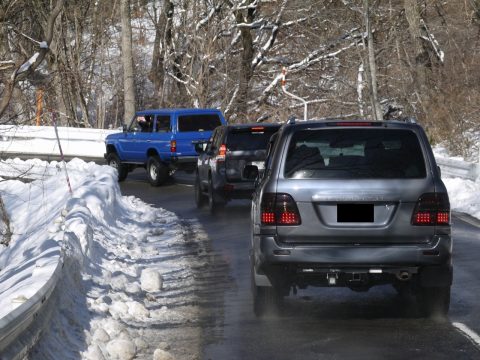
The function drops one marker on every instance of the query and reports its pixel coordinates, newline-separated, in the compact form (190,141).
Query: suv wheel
(213,204)
(114,161)
(434,301)
(200,198)
(157,172)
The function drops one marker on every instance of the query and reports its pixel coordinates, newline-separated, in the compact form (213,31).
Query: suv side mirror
(250,172)
(124,127)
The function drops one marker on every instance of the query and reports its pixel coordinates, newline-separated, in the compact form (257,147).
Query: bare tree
(127,60)
(28,67)
(372,66)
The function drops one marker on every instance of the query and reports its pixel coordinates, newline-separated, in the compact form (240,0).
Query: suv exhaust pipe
(404,275)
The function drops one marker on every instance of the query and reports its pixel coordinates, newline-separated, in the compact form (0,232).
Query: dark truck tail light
(432,209)
(222,151)
(279,209)
(173,146)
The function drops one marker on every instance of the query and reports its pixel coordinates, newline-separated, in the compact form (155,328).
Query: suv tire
(434,301)
(157,172)
(114,161)
(200,198)
(213,204)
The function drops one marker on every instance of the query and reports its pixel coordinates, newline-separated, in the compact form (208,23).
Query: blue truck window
(163,123)
(203,122)
(141,123)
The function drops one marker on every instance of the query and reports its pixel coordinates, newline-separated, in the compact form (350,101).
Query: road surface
(323,323)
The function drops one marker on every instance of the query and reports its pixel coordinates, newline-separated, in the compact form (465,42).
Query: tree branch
(27,68)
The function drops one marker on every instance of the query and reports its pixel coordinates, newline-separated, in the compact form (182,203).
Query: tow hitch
(332,278)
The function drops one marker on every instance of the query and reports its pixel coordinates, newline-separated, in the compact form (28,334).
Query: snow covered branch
(209,16)
(430,39)
(311,59)
(258,59)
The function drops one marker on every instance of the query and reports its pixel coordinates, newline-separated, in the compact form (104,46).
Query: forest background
(93,62)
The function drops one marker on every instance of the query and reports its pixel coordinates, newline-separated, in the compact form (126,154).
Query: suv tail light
(173,146)
(222,151)
(432,209)
(279,209)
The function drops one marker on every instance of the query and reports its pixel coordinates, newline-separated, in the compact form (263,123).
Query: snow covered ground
(128,271)
(129,267)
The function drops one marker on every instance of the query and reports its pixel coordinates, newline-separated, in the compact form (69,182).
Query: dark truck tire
(114,161)
(434,301)
(213,203)
(200,198)
(157,172)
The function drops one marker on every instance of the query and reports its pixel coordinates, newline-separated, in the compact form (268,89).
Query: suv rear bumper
(280,263)
(436,253)
(233,189)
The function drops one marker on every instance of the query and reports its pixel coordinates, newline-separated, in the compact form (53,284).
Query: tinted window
(206,122)
(215,140)
(355,153)
(249,139)
(163,123)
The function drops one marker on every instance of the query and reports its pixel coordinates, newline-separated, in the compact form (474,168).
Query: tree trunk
(127,60)
(412,14)
(246,62)
(376,108)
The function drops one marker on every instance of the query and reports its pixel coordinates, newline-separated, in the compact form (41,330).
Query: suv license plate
(356,213)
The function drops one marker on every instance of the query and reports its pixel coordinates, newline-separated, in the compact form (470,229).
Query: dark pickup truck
(161,141)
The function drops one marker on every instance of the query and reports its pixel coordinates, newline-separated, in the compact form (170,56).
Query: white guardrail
(457,168)
(22,327)
(40,142)
(15,339)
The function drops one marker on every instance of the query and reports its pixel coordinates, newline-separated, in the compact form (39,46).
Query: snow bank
(464,194)
(120,256)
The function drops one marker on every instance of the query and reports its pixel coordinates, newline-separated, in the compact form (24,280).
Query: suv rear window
(250,138)
(354,153)
(204,122)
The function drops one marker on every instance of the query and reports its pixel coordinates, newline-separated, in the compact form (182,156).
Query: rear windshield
(204,122)
(354,153)
(249,139)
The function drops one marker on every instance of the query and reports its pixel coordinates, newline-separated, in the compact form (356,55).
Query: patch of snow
(151,280)
(26,65)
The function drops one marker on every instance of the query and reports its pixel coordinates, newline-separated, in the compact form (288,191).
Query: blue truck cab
(161,141)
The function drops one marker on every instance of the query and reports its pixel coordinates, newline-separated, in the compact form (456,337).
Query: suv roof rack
(291,120)
(408,119)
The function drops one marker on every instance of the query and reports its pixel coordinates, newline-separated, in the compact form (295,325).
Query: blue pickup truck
(161,141)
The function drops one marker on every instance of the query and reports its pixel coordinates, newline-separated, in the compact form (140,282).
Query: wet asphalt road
(324,323)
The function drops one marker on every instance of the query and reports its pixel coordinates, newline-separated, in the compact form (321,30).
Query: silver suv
(354,204)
